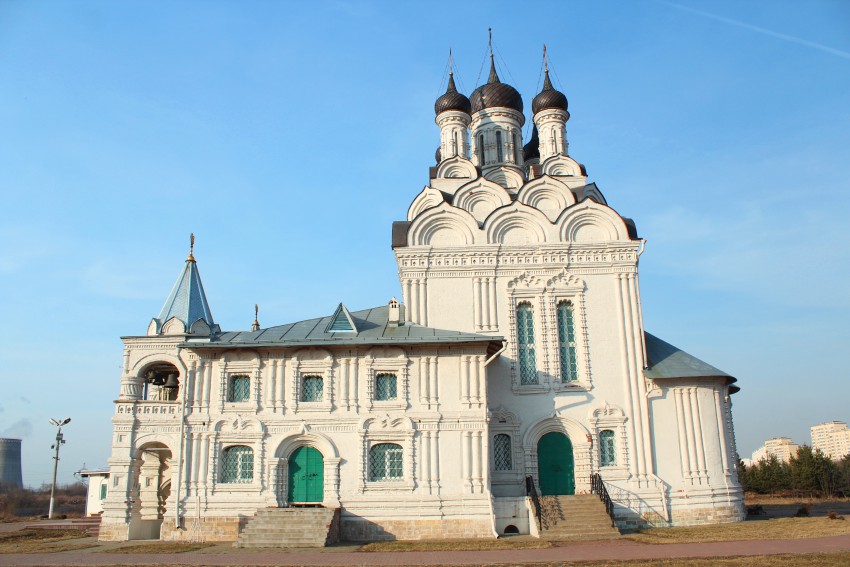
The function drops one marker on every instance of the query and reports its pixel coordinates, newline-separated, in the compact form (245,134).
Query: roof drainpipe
(497,353)
(180,454)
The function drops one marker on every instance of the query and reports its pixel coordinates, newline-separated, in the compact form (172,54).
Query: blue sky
(289,136)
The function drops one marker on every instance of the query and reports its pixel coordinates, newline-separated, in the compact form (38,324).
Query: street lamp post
(59,442)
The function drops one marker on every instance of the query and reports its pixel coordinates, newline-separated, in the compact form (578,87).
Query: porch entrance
(555,464)
(306,476)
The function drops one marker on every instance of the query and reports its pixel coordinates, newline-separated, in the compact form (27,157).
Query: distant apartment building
(783,448)
(832,438)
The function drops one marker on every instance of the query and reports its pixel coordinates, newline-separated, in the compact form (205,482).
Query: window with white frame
(237,464)
(607,448)
(502,452)
(386,387)
(525,344)
(567,342)
(239,388)
(386,462)
(312,389)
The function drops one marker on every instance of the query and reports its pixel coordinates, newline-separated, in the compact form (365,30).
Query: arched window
(607,449)
(386,387)
(455,145)
(312,389)
(567,342)
(481,150)
(385,462)
(525,344)
(239,389)
(237,464)
(500,151)
(502,458)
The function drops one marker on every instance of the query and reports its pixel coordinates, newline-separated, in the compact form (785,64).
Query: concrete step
(290,527)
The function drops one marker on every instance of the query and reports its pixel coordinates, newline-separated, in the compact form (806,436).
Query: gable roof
(187,300)
(666,361)
(372,327)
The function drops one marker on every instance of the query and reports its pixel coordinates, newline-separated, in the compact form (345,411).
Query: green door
(306,475)
(555,464)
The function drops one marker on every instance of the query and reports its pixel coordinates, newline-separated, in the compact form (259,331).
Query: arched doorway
(306,476)
(555,464)
(152,472)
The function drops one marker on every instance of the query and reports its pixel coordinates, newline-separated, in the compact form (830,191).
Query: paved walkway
(578,551)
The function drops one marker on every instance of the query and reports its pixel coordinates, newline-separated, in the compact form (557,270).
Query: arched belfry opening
(152,472)
(161,382)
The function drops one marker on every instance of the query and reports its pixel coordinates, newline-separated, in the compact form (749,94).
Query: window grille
(567,342)
(385,462)
(607,450)
(237,464)
(386,387)
(311,389)
(240,389)
(525,343)
(502,452)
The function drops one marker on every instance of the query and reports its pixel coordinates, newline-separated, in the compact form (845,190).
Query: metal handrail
(598,487)
(535,500)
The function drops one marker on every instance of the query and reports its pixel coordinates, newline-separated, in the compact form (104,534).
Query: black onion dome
(531,150)
(548,98)
(452,100)
(495,94)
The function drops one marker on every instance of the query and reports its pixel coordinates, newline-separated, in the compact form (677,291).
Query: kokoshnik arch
(519,351)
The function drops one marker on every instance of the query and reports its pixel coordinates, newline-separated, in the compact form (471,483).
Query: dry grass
(784,560)
(779,528)
(41,541)
(158,547)
(456,545)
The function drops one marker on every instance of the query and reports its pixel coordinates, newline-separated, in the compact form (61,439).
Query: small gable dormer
(341,321)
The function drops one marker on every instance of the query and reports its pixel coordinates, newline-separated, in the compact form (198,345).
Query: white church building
(516,370)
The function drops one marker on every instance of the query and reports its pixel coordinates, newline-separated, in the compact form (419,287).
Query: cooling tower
(10,462)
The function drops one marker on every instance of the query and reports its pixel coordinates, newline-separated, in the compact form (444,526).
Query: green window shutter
(240,389)
(567,342)
(525,344)
(103,491)
(607,449)
(312,389)
(385,462)
(237,465)
(386,387)
(502,457)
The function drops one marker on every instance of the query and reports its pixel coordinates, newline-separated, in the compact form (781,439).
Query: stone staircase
(579,517)
(291,527)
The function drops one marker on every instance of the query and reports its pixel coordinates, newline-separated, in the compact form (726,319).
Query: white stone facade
(536,276)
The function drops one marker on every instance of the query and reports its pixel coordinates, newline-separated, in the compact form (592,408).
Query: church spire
(494,77)
(186,310)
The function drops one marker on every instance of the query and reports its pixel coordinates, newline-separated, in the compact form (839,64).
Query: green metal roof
(372,328)
(666,361)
